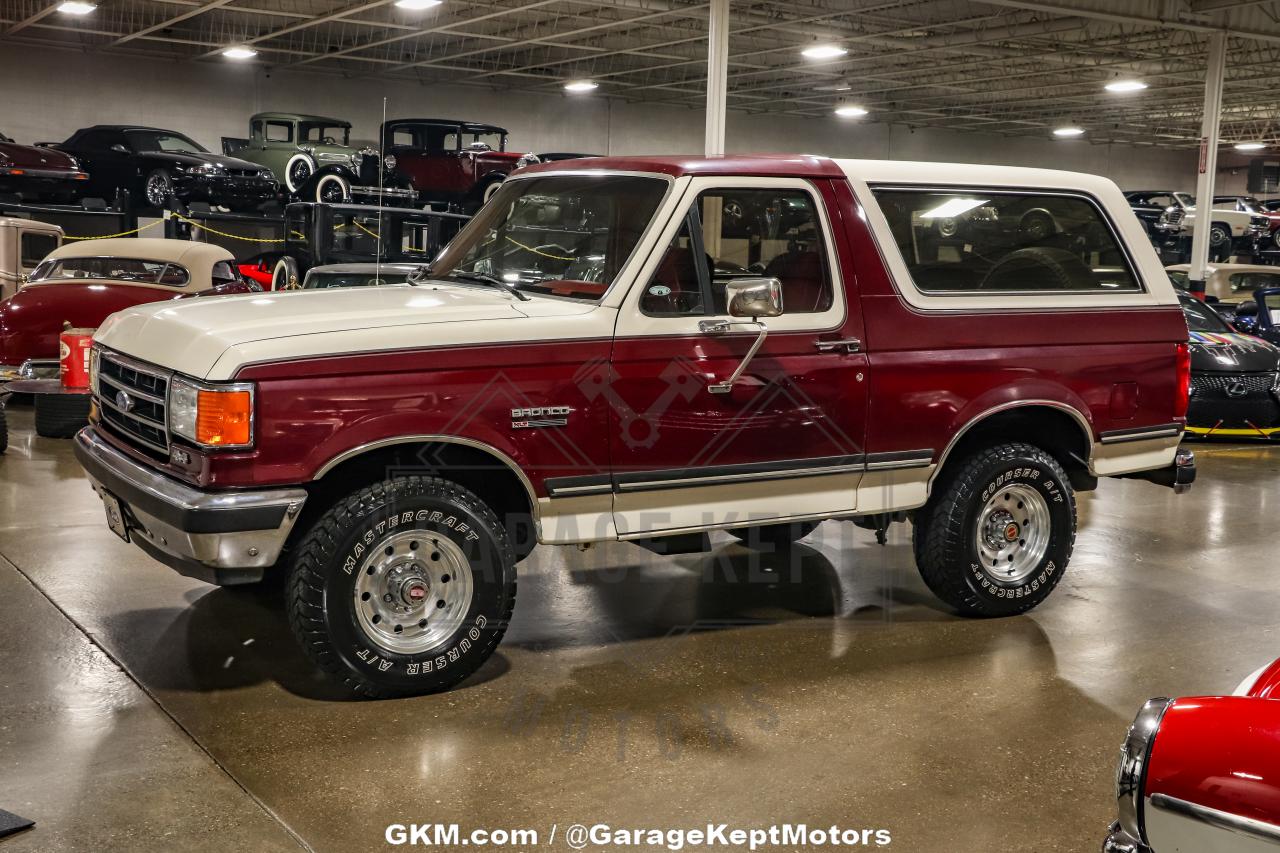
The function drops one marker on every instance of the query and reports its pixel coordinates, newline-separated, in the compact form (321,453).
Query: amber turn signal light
(224,418)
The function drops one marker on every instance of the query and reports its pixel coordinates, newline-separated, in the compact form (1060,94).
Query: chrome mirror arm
(717,327)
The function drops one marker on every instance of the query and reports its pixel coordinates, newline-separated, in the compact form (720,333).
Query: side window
(35,246)
(976,242)
(174,275)
(401,138)
(747,233)
(279,131)
(255,129)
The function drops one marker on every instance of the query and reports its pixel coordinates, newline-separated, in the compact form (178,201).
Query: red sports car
(1202,773)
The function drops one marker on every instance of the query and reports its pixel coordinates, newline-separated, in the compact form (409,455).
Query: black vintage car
(319,234)
(152,164)
(1235,378)
(1149,206)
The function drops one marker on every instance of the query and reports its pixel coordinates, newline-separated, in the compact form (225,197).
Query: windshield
(495,141)
(1248,282)
(324,280)
(115,269)
(1187,199)
(1202,318)
(561,235)
(332,134)
(162,140)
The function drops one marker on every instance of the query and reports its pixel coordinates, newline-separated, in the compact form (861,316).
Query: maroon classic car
(459,162)
(37,173)
(83,283)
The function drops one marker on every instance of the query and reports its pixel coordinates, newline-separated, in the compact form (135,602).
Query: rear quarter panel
(31,320)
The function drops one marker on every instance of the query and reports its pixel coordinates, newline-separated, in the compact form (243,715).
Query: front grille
(243,173)
(132,397)
(1173,217)
(1217,384)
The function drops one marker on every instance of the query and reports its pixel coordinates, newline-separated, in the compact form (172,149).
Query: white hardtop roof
(945,174)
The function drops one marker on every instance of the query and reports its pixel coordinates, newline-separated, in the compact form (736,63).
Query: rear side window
(979,242)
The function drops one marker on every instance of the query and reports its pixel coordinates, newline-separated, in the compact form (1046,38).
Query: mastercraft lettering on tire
(570,370)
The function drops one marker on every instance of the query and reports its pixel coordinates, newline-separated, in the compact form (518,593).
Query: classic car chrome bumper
(218,537)
(1119,841)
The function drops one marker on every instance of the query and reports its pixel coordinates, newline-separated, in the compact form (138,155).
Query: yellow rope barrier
(121,234)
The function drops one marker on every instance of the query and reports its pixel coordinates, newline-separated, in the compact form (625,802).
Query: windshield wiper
(485,278)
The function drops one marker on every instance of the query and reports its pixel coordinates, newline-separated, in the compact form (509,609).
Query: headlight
(1131,773)
(211,415)
(93,370)
(527,160)
(389,161)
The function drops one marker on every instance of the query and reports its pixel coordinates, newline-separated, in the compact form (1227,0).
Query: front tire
(403,587)
(158,188)
(997,534)
(333,189)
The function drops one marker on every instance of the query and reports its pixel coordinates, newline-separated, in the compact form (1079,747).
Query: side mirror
(745,297)
(120,149)
(754,297)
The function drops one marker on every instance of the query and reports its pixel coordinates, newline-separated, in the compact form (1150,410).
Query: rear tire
(998,531)
(61,415)
(402,587)
(773,537)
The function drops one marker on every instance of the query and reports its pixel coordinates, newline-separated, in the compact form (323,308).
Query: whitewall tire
(333,189)
(298,171)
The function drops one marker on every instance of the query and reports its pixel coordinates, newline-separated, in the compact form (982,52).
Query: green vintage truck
(314,159)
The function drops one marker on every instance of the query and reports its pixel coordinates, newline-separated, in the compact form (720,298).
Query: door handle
(849,345)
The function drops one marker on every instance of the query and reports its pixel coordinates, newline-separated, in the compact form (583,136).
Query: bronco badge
(540,417)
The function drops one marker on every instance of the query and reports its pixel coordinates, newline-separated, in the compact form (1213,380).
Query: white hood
(212,337)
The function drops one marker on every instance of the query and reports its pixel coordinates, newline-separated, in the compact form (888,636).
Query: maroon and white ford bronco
(649,349)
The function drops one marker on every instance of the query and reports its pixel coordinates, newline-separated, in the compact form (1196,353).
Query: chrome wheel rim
(1013,533)
(413,592)
(157,190)
(300,172)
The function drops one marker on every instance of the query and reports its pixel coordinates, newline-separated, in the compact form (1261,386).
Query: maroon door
(787,439)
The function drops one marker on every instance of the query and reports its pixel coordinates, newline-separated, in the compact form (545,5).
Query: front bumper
(385,197)
(1119,841)
(217,188)
(41,181)
(218,537)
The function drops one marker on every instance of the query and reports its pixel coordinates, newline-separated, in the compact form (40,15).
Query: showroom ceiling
(1005,66)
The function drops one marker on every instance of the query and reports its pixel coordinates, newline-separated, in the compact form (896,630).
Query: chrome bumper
(219,537)
(1119,841)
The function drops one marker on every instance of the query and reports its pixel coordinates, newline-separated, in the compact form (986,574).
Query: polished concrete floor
(142,711)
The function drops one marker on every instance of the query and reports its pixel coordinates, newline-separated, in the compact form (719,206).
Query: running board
(684,543)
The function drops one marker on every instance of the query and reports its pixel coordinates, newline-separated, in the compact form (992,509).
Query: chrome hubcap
(413,592)
(1013,533)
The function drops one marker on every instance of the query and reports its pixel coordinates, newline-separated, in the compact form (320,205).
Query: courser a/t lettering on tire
(402,587)
(998,531)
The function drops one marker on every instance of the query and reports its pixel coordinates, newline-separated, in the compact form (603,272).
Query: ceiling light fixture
(1068,131)
(839,86)
(417,5)
(824,51)
(74,7)
(850,111)
(239,53)
(580,86)
(1250,146)
(1125,86)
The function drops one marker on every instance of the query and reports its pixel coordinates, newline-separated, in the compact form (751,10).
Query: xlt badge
(540,417)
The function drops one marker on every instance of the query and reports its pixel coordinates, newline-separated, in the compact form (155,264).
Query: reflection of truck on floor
(23,244)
